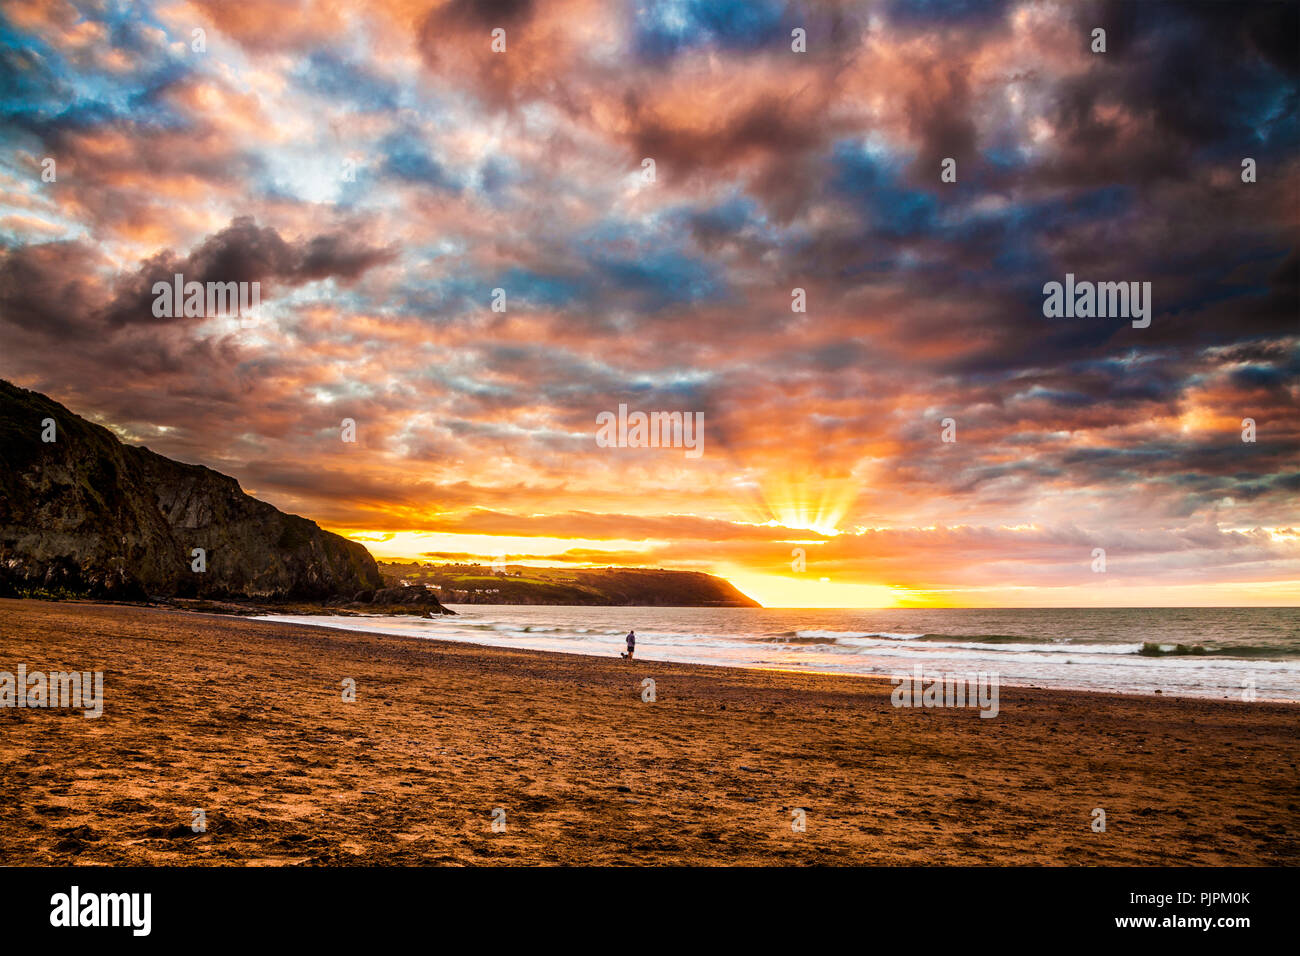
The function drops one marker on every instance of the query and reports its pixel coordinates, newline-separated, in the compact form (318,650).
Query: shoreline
(811,671)
(243,719)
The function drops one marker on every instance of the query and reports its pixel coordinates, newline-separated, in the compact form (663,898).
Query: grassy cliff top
(517,584)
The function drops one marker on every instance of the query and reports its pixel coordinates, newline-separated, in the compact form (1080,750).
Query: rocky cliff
(86,514)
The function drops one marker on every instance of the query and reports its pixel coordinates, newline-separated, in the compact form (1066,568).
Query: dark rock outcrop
(87,515)
(411,595)
(415,599)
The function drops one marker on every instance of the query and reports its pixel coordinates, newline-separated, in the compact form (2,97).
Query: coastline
(542,636)
(244,719)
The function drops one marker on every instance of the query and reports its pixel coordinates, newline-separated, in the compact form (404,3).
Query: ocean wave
(1054,660)
(984,638)
(839,635)
(1156,649)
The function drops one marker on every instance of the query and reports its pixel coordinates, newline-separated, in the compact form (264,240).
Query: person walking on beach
(631,645)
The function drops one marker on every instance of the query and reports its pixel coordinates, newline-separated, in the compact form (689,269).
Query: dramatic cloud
(473,251)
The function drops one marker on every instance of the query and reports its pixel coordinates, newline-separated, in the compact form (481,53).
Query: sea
(1235,653)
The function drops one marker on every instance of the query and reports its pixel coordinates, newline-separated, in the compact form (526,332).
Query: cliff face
(85,514)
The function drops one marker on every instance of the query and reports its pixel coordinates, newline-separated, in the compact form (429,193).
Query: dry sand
(245,720)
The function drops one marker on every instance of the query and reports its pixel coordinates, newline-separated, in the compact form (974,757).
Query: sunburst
(813,503)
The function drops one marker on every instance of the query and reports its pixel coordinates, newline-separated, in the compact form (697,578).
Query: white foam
(732,638)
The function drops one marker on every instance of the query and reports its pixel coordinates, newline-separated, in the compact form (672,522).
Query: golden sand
(245,720)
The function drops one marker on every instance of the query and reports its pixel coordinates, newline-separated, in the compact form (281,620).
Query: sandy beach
(245,720)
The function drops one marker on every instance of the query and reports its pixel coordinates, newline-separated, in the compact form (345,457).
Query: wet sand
(245,720)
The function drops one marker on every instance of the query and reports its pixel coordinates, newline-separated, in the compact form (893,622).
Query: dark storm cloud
(245,252)
(776,170)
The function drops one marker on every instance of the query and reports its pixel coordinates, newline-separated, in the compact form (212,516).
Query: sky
(461,247)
